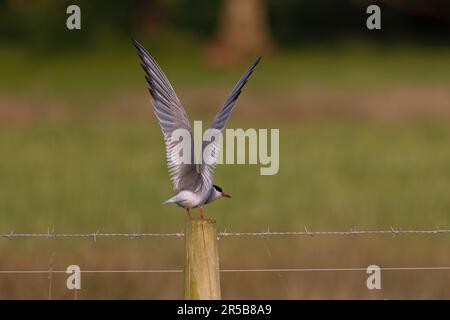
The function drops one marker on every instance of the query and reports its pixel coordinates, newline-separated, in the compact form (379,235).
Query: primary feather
(219,122)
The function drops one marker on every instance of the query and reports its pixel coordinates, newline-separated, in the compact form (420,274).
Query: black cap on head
(217,188)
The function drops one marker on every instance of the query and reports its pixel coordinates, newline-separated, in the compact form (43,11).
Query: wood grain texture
(202,271)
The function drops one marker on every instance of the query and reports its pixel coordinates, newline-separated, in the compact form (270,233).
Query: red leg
(188,214)
(201,213)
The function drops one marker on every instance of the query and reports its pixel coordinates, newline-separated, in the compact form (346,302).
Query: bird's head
(220,192)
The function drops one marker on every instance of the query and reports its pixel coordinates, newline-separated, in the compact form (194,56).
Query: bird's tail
(171,200)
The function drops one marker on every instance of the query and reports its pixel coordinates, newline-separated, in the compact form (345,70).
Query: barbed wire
(51,234)
(344,269)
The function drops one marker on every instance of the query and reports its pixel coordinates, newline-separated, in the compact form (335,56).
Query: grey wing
(171,116)
(211,149)
(221,118)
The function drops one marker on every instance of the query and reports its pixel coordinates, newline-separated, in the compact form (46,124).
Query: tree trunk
(243,31)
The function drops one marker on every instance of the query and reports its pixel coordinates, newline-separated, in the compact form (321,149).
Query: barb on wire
(94,235)
(9,235)
(51,234)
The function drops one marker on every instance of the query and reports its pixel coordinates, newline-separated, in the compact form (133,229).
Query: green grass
(81,177)
(90,76)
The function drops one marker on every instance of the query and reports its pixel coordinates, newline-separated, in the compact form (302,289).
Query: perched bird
(195,184)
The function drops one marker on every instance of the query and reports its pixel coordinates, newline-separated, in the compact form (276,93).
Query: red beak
(225,195)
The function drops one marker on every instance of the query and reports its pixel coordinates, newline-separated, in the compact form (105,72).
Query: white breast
(189,199)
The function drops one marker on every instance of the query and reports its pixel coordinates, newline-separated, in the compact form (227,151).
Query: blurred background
(364,139)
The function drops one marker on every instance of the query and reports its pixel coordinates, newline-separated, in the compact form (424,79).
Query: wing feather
(220,120)
(171,116)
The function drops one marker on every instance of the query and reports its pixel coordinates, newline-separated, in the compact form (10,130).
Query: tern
(194,184)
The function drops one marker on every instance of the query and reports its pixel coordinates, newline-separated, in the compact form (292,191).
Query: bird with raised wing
(194,184)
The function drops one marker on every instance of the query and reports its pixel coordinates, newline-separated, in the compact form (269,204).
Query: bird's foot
(188,214)
(202,216)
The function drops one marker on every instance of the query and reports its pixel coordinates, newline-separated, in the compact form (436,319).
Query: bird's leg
(188,214)
(200,209)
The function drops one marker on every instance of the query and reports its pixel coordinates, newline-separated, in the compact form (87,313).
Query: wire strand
(343,269)
(50,234)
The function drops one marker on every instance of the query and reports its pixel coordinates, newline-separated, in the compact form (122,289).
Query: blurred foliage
(198,16)
(43,27)
(294,21)
(41,24)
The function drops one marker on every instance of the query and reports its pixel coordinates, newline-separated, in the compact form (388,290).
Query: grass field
(364,139)
(81,177)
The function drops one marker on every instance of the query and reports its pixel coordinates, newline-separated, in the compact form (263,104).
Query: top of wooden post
(201,221)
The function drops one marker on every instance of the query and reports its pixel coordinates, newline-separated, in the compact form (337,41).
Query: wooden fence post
(201,261)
